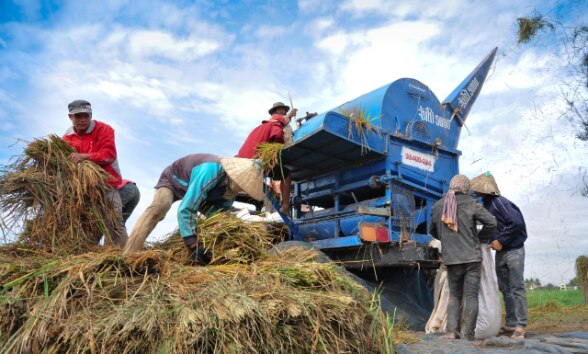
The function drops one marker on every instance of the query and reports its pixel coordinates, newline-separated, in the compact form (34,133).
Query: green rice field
(562,298)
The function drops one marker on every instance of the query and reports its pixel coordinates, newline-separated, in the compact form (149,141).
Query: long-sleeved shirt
(511,230)
(462,246)
(270,131)
(98,142)
(200,182)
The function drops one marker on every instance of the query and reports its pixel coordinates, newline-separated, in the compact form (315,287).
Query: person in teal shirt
(204,183)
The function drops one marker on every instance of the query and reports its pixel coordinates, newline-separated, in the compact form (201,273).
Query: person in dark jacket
(453,222)
(204,183)
(272,131)
(509,243)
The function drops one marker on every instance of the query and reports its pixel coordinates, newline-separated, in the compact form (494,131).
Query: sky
(180,77)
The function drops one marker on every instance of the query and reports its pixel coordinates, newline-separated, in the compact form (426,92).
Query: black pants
(279,173)
(464,286)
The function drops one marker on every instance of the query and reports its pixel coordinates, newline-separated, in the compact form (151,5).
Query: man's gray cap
(79,106)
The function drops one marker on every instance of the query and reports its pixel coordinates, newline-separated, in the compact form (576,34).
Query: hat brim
(80,110)
(245,175)
(484,184)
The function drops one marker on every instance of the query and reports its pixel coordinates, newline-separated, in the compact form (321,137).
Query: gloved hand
(191,242)
(200,256)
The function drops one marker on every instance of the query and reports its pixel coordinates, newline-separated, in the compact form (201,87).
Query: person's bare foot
(450,335)
(519,333)
(285,209)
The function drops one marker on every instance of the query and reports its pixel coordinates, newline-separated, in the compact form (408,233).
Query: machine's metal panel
(336,144)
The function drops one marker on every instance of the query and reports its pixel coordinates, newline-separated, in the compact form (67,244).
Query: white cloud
(364,5)
(367,59)
(556,225)
(269,32)
(335,44)
(173,82)
(531,70)
(238,110)
(313,6)
(415,8)
(321,24)
(166,45)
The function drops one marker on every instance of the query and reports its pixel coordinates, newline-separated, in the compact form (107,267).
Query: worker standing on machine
(272,131)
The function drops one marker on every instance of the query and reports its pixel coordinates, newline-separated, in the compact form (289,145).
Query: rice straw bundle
(270,155)
(147,303)
(228,238)
(59,205)
(361,121)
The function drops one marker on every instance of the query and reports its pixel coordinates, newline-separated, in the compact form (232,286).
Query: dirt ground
(554,320)
(550,330)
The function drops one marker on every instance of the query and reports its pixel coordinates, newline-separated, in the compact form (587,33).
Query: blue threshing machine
(367,173)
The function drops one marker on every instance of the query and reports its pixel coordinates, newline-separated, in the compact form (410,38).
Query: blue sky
(179,77)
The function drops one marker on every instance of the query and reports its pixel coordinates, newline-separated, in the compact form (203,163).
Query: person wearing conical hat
(453,222)
(204,183)
(509,243)
(272,131)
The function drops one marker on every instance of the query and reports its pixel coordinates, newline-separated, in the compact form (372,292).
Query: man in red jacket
(94,141)
(272,131)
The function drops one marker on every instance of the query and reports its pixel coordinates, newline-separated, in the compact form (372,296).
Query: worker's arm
(203,178)
(513,222)
(276,133)
(487,220)
(104,152)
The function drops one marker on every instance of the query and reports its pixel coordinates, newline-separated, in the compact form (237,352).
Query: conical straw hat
(246,175)
(485,184)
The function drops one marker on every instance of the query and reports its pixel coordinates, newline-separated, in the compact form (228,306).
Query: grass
(556,311)
(541,298)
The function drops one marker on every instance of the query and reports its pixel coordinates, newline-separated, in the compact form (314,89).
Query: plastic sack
(489,307)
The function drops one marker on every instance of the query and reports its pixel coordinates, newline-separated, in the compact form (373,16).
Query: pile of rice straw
(251,299)
(60,206)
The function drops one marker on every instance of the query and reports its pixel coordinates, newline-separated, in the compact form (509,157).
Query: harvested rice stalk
(228,238)
(270,155)
(58,206)
(528,27)
(361,121)
(104,302)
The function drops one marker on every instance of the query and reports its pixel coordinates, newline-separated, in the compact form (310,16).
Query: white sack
(489,308)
